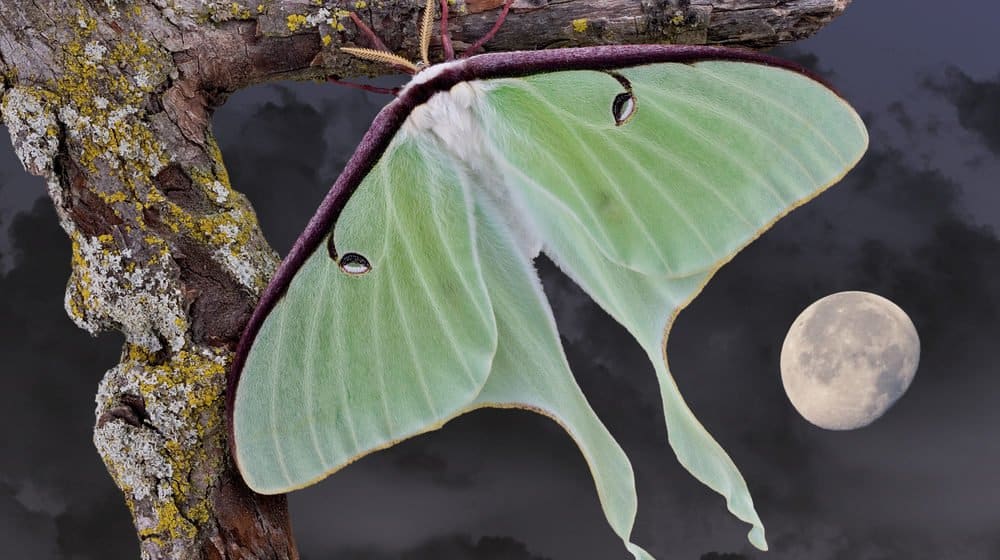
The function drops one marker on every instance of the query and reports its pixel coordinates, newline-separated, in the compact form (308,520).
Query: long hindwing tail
(346,364)
(530,371)
(644,305)
(640,209)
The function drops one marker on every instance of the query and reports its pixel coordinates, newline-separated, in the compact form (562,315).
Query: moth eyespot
(354,264)
(623,107)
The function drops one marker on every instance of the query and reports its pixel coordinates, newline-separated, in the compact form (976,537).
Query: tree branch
(110,102)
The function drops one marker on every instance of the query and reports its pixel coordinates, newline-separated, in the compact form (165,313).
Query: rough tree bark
(110,101)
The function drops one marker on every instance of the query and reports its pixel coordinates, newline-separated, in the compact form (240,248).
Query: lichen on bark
(157,235)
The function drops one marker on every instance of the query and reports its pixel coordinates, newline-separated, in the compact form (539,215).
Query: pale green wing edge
(541,139)
(348,364)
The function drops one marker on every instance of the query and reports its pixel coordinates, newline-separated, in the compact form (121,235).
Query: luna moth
(411,296)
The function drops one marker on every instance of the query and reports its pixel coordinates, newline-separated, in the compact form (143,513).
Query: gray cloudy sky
(914,222)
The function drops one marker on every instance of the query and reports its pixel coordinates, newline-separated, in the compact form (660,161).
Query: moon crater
(847,358)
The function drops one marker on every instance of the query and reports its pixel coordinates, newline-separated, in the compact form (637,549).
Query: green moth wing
(712,154)
(411,299)
(530,370)
(349,363)
(641,213)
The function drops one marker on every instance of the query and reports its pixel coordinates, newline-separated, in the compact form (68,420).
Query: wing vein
(274,401)
(766,136)
(457,269)
(343,397)
(697,134)
(626,203)
(378,333)
(418,368)
(795,115)
(310,353)
(404,239)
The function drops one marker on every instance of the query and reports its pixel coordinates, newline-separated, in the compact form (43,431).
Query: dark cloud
(526,479)
(274,154)
(50,374)
(977,103)
(18,191)
(464,548)
(3,228)
(97,529)
(897,110)
(284,147)
(51,368)
(23,532)
(612,369)
(429,463)
(456,547)
(806,59)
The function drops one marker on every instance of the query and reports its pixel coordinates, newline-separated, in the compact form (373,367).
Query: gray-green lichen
(140,298)
(166,473)
(33,128)
(127,279)
(327,17)
(218,11)
(100,136)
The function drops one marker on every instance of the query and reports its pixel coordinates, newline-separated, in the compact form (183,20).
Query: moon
(847,358)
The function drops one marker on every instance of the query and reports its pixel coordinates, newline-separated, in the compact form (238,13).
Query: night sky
(916,222)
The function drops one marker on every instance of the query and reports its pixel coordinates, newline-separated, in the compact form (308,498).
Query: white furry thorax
(451,117)
(455,119)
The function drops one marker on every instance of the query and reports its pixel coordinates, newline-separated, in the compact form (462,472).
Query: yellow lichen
(10,76)
(99,97)
(226,228)
(580,25)
(154,196)
(79,268)
(239,12)
(101,92)
(334,21)
(327,40)
(295,21)
(170,524)
(677,19)
(183,397)
(113,198)
(216,154)
(360,5)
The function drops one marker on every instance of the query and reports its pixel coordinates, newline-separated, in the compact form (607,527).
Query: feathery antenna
(382,56)
(425,32)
